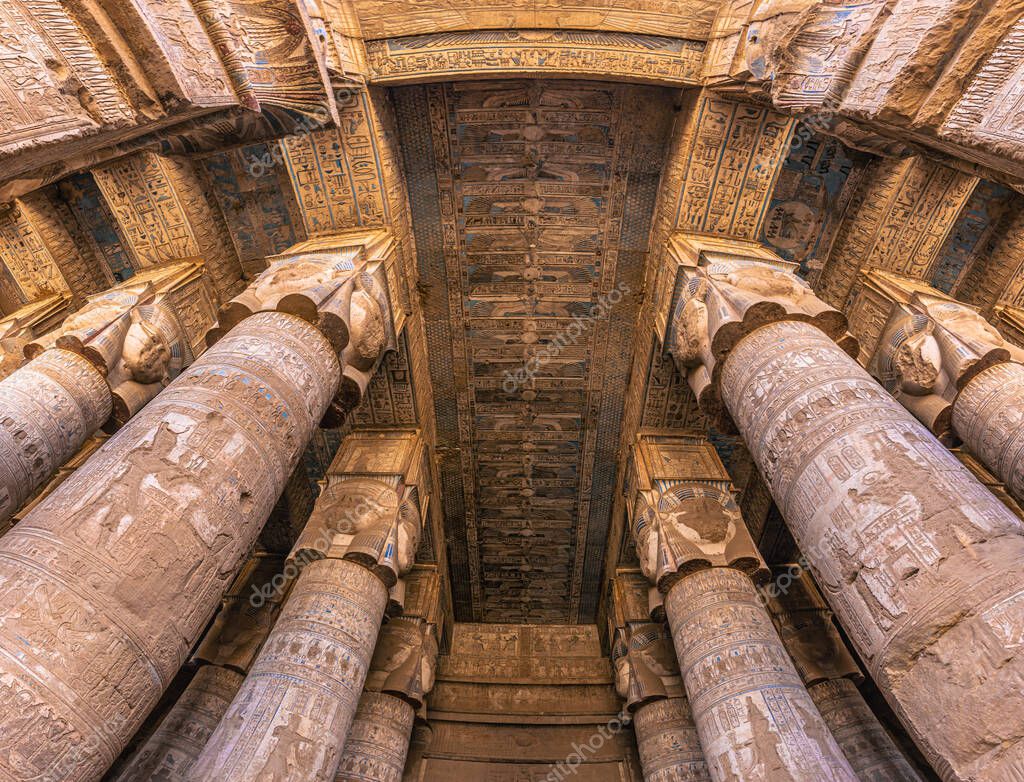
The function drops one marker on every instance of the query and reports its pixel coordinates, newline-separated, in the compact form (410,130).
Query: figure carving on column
(179,495)
(737,675)
(647,679)
(831,676)
(401,674)
(892,524)
(225,654)
(294,710)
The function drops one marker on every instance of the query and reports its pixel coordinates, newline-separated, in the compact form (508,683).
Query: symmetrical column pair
(104,362)
(108,582)
(754,717)
(922,565)
(294,710)
(950,368)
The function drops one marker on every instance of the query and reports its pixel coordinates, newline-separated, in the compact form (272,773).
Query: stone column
(648,681)
(753,715)
(105,361)
(224,656)
(418,745)
(108,582)
(402,673)
(922,565)
(294,710)
(830,674)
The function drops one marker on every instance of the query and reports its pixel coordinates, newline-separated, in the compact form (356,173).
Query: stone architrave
(401,674)
(224,656)
(921,564)
(648,681)
(109,581)
(831,675)
(294,710)
(105,361)
(754,717)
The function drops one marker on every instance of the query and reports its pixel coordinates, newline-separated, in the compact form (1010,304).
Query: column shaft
(988,415)
(922,565)
(48,409)
(872,753)
(668,744)
(181,735)
(293,712)
(378,740)
(109,581)
(755,719)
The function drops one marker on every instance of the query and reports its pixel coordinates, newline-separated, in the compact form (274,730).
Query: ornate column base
(171,752)
(378,741)
(871,752)
(294,710)
(48,409)
(667,740)
(755,719)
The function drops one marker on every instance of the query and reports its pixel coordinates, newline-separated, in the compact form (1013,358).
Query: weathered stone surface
(378,741)
(755,719)
(894,528)
(667,739)
(109,581)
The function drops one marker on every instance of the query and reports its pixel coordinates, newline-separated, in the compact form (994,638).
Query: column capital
(369,510)
(923,346)
(684,516)
(27,323)
(725,290)
(405,660)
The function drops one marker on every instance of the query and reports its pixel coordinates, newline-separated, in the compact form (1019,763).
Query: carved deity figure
(645,664)
(687,527)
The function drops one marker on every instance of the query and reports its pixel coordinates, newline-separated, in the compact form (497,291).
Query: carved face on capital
(367,326)
(100,311)
(295,274)
(912,361)
(409,527)
(690,325)
(707,520)
(146,354)
(763,280)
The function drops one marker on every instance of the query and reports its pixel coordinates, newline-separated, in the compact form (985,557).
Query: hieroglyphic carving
(163,214)
(519,193)
(756,721)
(733,153)
(560,53)
(378,741)
(667,739)
(650,17)
(114,575)
(830,674)
(893,526)
(898,221)
(293,712)
(994,277)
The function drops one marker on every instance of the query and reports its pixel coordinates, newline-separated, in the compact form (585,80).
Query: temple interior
(511,391)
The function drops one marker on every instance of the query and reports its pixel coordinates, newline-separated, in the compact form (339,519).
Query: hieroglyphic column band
(755,719)
(48,409)
(667,740)
(922,565)
(988,415)
(181,735)
(110,580)
(870,750)
(292,713)
(378,740)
